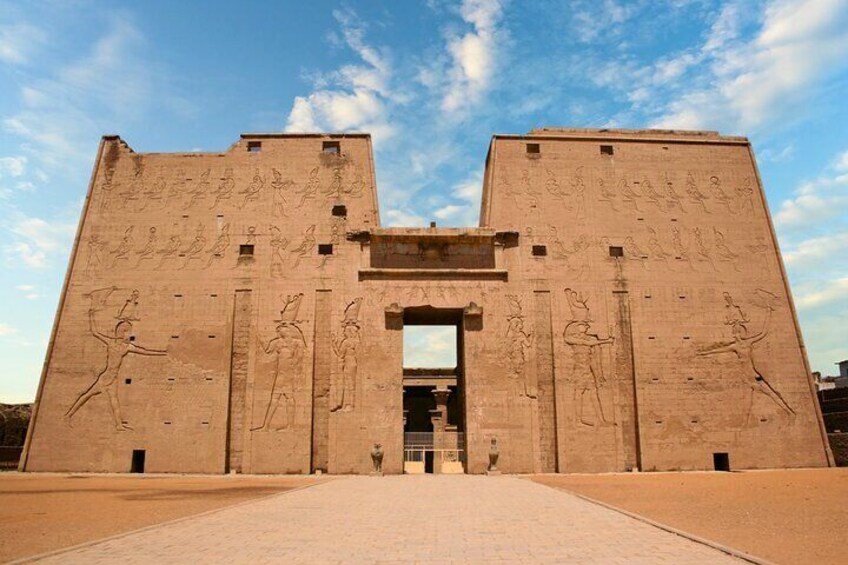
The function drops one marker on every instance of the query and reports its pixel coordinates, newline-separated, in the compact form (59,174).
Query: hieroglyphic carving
(681,251)
(288,348)
(553,186)
(702,253)
(198,193)
(118,345)
(574,255)
(225,188)
(719,195)
(122,251)
(742,346)
(310,188)
(578,190)
(253,190)
(219,248)
(177,187)
(279,186)
(587,375)
(629,195)
(153,195)
(759,250)
(695,195)
(356,186)
(517,343)
(307,245)
(346,348)
(633,252)
(336,186)
(195,248)
(650,193)
(655,247)
(607,193)
(149,249)
(170,251)
(278,245)
(528,189)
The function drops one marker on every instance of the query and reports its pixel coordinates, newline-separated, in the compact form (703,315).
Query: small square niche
(254,146)
(325,249)
(340,210)
(534,149)
(540,250)
(331,147)
(616,251)
(607,150)
(246,250)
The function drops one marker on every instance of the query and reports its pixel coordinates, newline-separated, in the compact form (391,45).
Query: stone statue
(377,458)
(494,453)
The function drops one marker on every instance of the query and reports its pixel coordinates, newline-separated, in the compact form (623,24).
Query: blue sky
(432,81)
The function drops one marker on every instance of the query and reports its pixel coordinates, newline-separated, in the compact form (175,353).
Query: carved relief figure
(136,186)
(198,193)
(719,194)
(356,186)
(219,248)
(742,347)
(527,188)
(306,246)
(278,244)
(335,188)
(701,251)
(107,187)
(149,249)
(118,346)
(681,252)
(95,249)
(606,193)
(634,252)
(628,195)
(288,348)
(225,187)
(171,251)
(122,251)
(651,194)
(346,348)
(578,189)
(153,195)
(745,195)
(195,248)
(279,186)
(177,188)
(573,255)
(723,251)
(655,247)
(517,343)
(552,185)
(695,195)
(310,189)
(253,190)
(672,197)
(587,370)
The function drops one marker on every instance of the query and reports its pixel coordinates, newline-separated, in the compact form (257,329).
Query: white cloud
(352,98)
(429,346)
(19,41)
(6,330)
(13,166)
(832,291)
(473,56)
(814,252)
(816,201)
(397,217)
(35,241)
(754,83)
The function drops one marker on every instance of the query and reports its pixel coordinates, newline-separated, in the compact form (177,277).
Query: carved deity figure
(118,346)
(310,188)
(253,190)
(153,195)
(695,194)
(606,193)
(195,248)
(95,249)
(177,188)
(219,248)
(672,197)
(516,346)
(628,194)
(107,187)
(198,193)
(702,253)
(278,245)
(745,195)
(723,251)
(719,194)
(356,186)
(289,348)
(745,369)
(149,249)
(336,186)
(578,190)
(170,251)
(225,188)
(346,348)
(122,251)
(279,186)
(306,246)
(587,372)
(651,194)
(655,247)
(136,185)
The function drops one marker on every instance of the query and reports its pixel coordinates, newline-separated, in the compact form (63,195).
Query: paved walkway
(428,519)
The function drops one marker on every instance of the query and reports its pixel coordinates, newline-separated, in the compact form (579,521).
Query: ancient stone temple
(622,305)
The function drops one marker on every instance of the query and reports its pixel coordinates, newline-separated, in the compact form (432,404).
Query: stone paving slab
(428,519)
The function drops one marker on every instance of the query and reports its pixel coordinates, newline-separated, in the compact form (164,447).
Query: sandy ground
(44,512)
(786,516)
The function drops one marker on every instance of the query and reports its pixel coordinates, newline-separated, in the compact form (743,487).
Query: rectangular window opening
(138,456)
(254,146)
(246,250)
(533,149)
(606,150)
(340,210)
(331,147)
(540,250)
(721,461)
(128,381)
(325,249)
(616,251)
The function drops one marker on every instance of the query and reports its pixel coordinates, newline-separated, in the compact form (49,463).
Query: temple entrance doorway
(433,391)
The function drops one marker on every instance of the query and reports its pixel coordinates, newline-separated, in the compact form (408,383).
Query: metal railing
(450,448)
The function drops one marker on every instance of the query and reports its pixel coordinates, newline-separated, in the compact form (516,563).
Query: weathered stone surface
(622,305)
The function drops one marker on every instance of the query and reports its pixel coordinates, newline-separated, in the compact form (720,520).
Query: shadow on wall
(14,419)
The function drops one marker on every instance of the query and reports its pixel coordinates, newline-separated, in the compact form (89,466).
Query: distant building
(833,382)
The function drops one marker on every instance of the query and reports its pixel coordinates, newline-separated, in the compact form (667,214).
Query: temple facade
(622,306)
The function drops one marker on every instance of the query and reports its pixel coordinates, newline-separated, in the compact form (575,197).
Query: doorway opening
(721,461)
(138,456)
(433,391)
